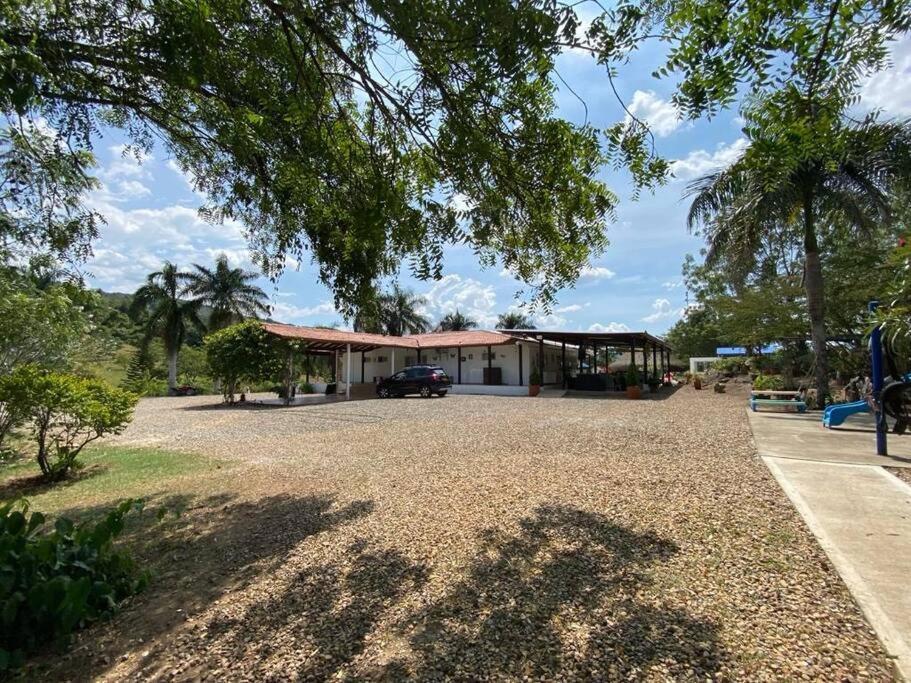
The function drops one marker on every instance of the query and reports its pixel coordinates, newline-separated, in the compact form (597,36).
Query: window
(414,373)
(399,376)
(380,359)
(470,356)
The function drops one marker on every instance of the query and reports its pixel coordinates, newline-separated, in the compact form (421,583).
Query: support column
(489,366)
(392,361)
(362,367)
(521,379)
(541,359)
(347,372)
(307,366)
(419,357)
(459,356)
(335,370)
(655,358)
(581,356)
(645,360)
(563,365)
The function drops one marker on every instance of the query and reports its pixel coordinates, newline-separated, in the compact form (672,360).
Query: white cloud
(890,89)
(673,284)
(609,327)
(596,273)
(135,242)
(699,162)
(550,321)
(662,309)
(661,116)
(572,308)
(286,312)
(126,162)
(471,297)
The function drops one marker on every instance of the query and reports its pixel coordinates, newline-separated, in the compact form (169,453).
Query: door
(414,377)
(396,383)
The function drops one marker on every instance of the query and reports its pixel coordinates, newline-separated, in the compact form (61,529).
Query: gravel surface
(903,473)
(478,537)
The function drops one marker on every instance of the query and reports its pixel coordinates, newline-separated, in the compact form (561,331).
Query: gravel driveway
(481,537)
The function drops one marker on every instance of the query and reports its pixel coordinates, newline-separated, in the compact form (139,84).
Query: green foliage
(456,322)
(632,375)
(306,388)
(244,352)
(45,180)
(769,382)
(228,292)
(698,334)
(164,314)
(513,320)
(534,377)
(730,366)
(44,326)
(396,312)
(360,169)
(65,413)
(54,582)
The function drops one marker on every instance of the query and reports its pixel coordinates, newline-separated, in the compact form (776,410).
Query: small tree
(242,352)
(632,375)
(66,413)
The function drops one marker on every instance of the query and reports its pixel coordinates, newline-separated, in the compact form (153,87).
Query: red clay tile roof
(467,338)
(323,338)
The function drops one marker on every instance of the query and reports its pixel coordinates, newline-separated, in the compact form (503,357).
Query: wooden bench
(756,403)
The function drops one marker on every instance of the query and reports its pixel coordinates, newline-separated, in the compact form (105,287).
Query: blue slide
(836,414)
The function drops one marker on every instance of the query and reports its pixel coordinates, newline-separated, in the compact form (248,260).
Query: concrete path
(792,435)
(859,512)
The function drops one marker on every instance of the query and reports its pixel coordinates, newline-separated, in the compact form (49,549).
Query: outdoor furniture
(756,403)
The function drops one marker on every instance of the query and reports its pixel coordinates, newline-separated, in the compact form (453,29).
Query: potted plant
(633,390)
(653,383)
(697,382)
(534,382)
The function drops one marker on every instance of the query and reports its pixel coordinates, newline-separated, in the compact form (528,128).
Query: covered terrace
(651,354)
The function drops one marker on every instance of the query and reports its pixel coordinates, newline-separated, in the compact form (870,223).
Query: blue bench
(756,403)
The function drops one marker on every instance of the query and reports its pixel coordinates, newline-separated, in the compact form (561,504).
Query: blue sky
(151,214)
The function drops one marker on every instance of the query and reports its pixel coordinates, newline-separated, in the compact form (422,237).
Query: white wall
(505,357)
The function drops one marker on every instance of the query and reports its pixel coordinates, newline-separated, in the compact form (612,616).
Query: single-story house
(479,361)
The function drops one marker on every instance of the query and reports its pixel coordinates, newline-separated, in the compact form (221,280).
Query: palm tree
(849,179)
(513,320)
(399,312)
(158,306)
(456,322)
(228,291)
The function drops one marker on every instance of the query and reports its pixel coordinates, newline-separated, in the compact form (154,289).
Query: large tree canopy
(363,133)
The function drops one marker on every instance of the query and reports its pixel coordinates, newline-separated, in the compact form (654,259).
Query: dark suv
(425,380)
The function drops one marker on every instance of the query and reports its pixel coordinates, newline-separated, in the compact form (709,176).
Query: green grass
(111,473)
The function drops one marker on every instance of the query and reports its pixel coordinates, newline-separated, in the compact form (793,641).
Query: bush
(769,382)
(243,353)
(53,583)
(534,377)
(730,366)
(632,376)
(65,412)
(305,388)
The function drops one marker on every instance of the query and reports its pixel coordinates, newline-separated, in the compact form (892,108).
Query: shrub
(305,388)
(66,413)
(730,366)
(632,376)
(534,377)
(769,382)
(242,353)
(55,582)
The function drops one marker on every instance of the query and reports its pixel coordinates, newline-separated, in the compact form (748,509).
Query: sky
(151,213)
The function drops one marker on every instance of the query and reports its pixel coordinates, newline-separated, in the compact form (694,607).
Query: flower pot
(534,389)
(697,383)
(633,391)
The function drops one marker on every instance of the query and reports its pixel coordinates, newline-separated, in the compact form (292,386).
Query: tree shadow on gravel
(200,551)
(560,599)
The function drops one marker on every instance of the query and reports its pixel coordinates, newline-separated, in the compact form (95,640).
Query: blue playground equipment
(838,413)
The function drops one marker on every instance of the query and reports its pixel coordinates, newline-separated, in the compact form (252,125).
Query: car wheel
(441,394)
(383,392)
(425,392)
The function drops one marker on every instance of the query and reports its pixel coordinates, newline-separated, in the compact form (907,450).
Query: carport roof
(328,339)
(616,338)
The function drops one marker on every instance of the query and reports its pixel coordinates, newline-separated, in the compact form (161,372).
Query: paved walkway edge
(891,637)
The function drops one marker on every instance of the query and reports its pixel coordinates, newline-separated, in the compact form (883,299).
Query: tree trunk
(172,369)
(816,308)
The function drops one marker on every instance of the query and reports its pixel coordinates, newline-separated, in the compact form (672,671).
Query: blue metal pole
(876,355)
